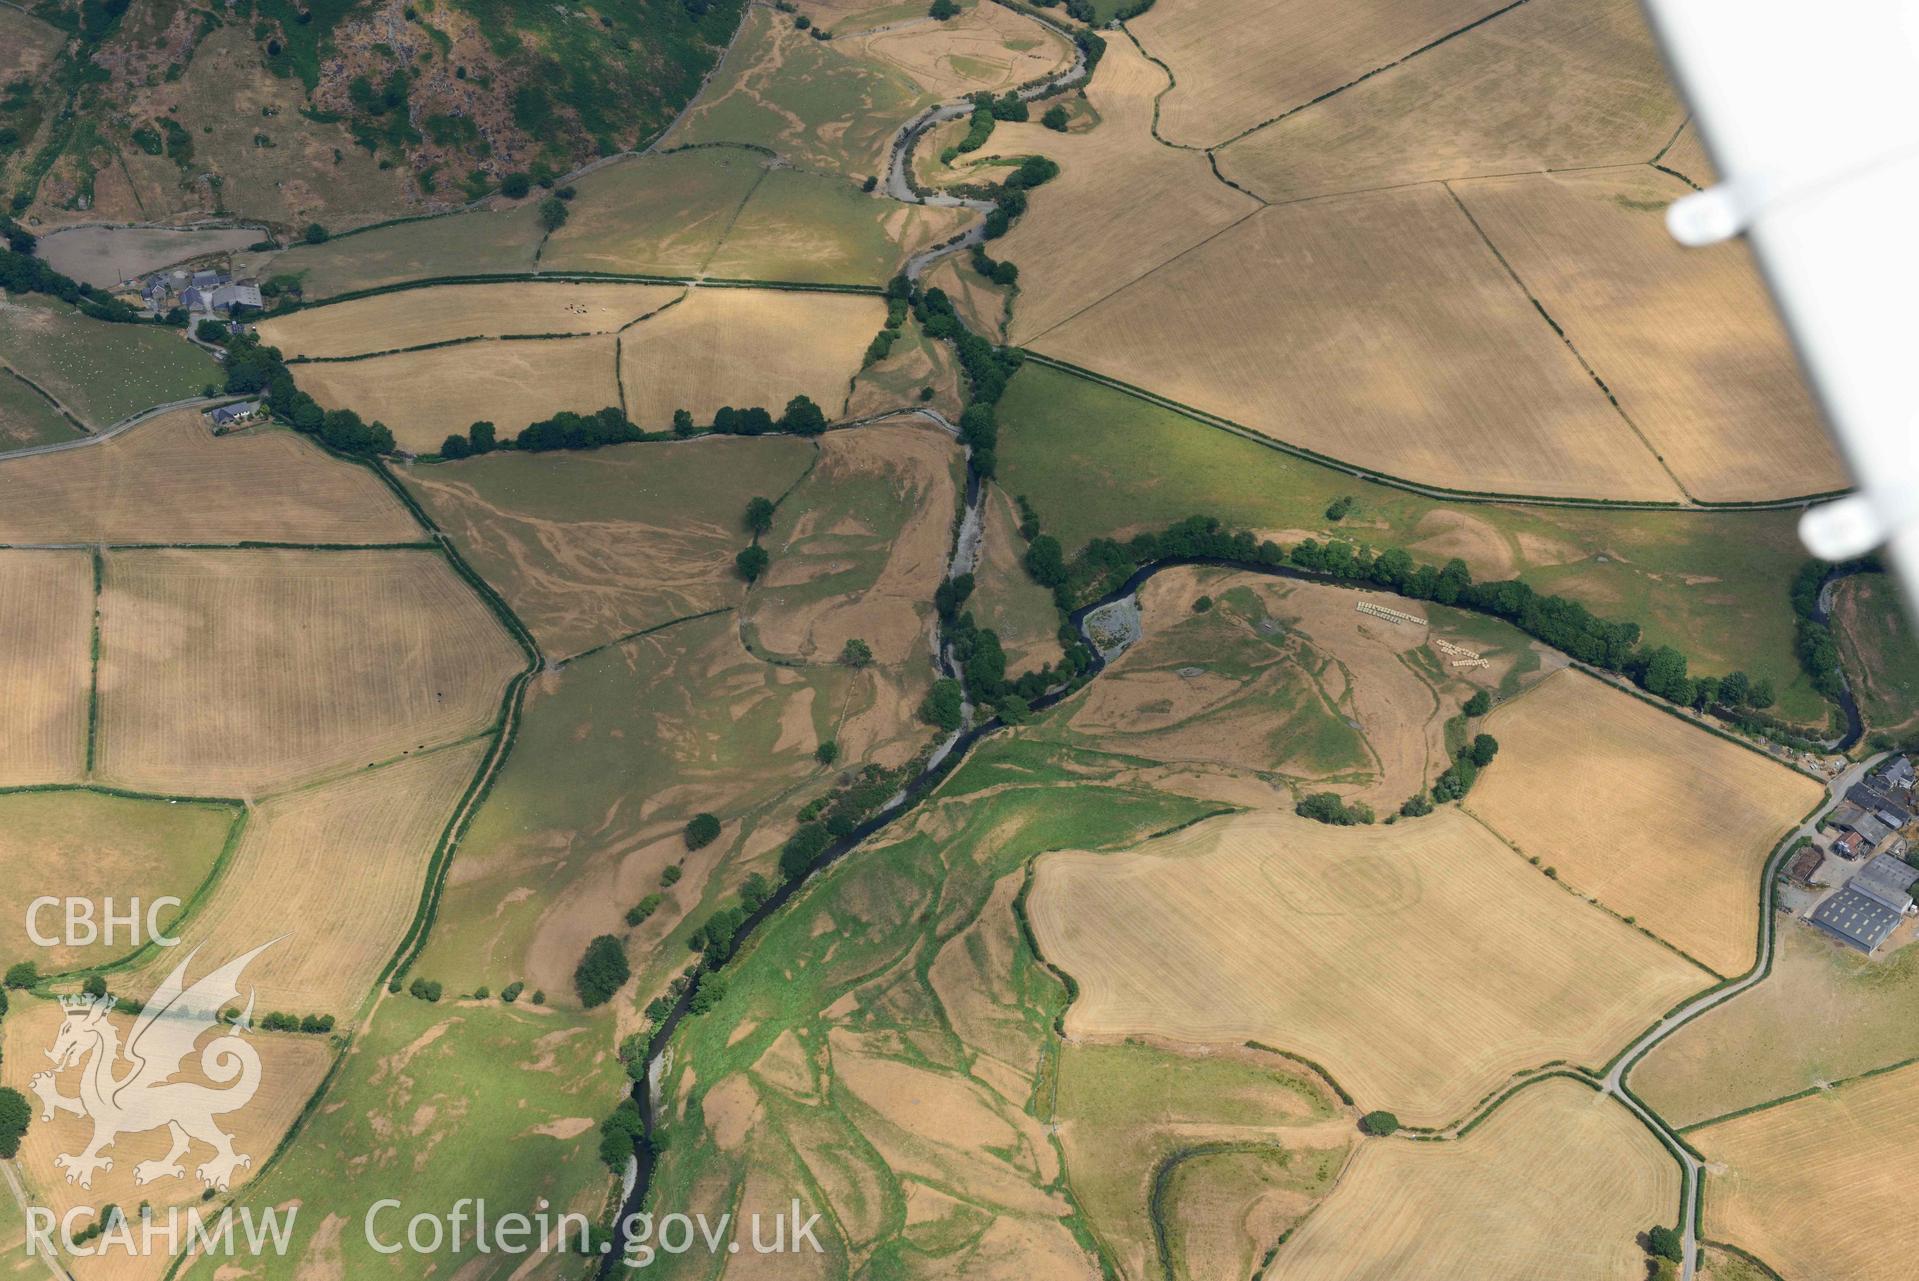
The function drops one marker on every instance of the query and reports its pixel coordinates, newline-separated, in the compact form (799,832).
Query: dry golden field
(745,347)
(1557,1183)
(980,303)
(96,846)
(659,214)
(1819,1187)
(1238,63)
(1658,820)
(1686,339)
(1552,84)
(241,672)
(1122,204)
(291,1068)
(859,548)
(416,317)
(1687,156)
(46,600)
(988,48)
(820,228)
(916,362)
(334,871)
(590,547)
(426,395)
(169,480)
(1422,963)
(1377,329)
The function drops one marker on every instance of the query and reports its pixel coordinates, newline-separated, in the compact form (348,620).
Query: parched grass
(1130,1113)
(1824,1014)
(660,214)
(1096,462)
(96,846)
(476,243)
(901,976)
(28,419)
(441,1102)
(103,372)
(447,313)
(613,755)
(816,228)
(587,548)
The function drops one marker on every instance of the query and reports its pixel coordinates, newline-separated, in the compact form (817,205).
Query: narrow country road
(1615,1083)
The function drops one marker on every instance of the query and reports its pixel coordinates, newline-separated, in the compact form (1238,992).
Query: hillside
(337,112)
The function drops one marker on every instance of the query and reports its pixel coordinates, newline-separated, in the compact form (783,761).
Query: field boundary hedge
(572,278)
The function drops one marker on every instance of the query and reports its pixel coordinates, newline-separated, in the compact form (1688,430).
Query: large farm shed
(1865,912)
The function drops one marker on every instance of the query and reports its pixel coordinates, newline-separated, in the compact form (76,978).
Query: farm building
(223,416)
(1805,863)
(1851,845)
(1864,913)
(1892,804)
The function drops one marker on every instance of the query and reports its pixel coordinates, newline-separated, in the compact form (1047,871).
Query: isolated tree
(1479,704)
(856,653)
(315,234)
(682,423)
(15,1116)
(1664,1243)
(1202,604)
(24,974)
(759,516)
(553,213)
(95,986)
(943,10)
(701,830)
(482,437)
(1379,1124)
(602,971)
(670,874)
(751,562)
(1055,118)
(515,185)
(826,753)
(455,447)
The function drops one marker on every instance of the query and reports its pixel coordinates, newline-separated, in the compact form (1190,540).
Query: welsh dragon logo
(131,1090)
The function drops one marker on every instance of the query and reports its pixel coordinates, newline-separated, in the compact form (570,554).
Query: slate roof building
(1865,913)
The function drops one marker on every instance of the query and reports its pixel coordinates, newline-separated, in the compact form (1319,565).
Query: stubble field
(236,673)
(1557,1183)
(1659,820)
(440,313)
(169,480)
(1817,1187)
(335,872)
(1377,329)
(45,665)
(1423,964)
(1237,65)
(1686,339)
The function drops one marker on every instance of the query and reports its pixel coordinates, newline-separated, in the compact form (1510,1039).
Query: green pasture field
(1125,1108)
(103,372)
(810,227)
(1881,659)
(26,419)
(1824,1014)
(618,751)
(72,842)
(854,956)
(588,547)
(660,214)
(438,1102)
(480,242)
(1096,462)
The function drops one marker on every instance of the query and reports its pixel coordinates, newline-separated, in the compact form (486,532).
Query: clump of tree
(511,992)
(1330,807)
(621,1134)
(1479,704)
(1379,1124)
(943,10)
(1202,604)
(640,911)
(944,705)
(602,971)
(1340,508)
(856,653)
(999,271)
(280,1021)
(22,974)
(15,1116)
(701,830)
(1663,1242)
(758,518)
(751,562)
(568,430)
(803,417)
(423,989)
(1055,118)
